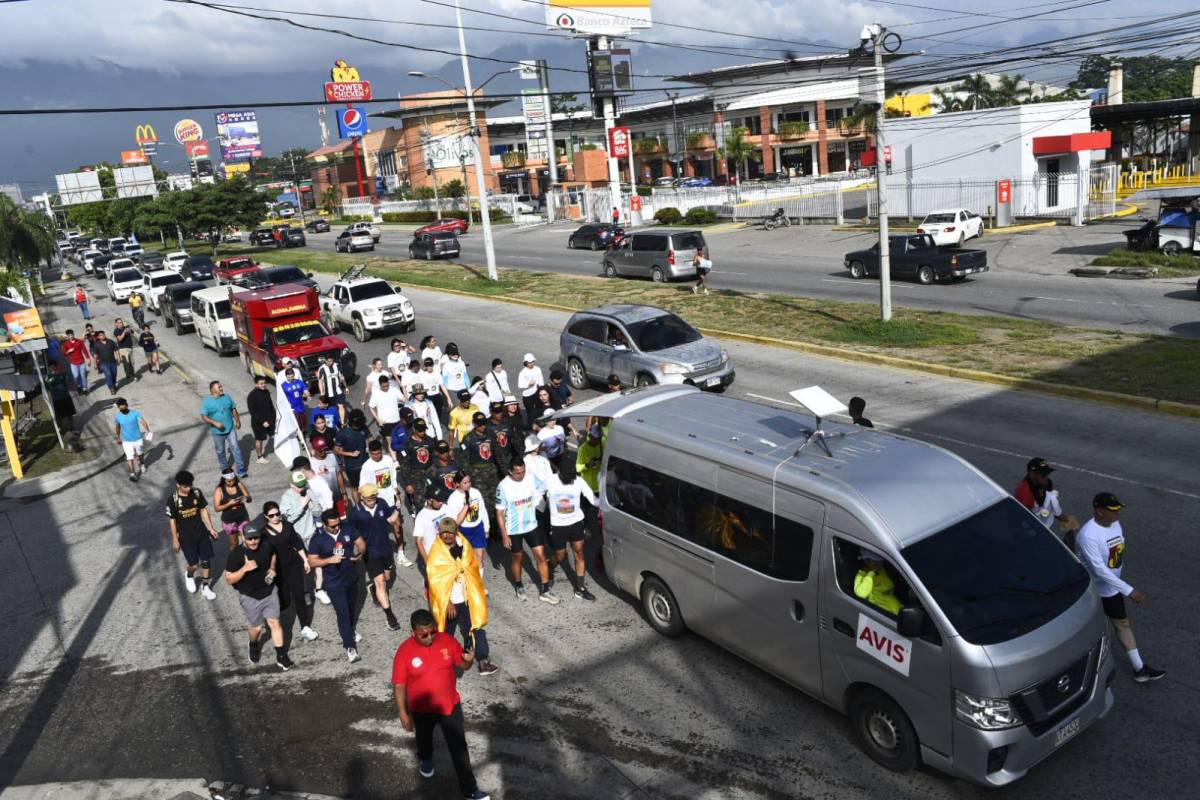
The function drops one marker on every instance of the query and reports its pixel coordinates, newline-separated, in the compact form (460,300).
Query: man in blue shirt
(296,392)
(221,415)
(379,525)
(328,411)
(337,551)
(130,430)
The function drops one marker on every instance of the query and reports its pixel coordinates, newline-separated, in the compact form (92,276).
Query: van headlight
(673,369)
(985,713)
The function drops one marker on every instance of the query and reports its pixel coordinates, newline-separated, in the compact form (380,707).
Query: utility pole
(674,132)
(875,34)
(296,186)
(485,215)
(462,163)
(614,171)
(543,72)
(431,171)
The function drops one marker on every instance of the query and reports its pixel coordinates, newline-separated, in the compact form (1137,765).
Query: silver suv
(641,345)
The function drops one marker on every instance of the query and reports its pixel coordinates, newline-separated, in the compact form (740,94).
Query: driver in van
(873,584)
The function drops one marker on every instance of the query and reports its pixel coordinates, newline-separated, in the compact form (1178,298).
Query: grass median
(1184,265)
(1158,367)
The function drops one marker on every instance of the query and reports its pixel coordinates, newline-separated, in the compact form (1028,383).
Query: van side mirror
(911,622)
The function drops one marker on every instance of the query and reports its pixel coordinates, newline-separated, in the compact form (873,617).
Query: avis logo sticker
(884,645)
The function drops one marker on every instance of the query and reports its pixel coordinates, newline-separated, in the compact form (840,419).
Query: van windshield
(997,575)
(662,332)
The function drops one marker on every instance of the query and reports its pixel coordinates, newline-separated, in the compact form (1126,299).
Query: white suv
(123,279)
(366,305)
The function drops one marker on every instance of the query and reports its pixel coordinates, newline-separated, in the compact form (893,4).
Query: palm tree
(946,101)
(861,117)
(1010,92)
(26,238)
(737,148)
(978,92)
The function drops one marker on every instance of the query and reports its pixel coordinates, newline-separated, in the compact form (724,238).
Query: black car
(596,237)
(151,260)
(317,226)
(262,236)
(176,305)
(273,276)
(100,265)
(443,244)
(287,236)
(197,268)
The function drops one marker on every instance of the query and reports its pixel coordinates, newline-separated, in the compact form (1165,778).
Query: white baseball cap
(528,357)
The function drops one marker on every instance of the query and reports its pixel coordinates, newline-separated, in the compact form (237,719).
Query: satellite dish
(821,403)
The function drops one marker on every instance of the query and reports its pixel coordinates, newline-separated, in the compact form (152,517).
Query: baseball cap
(478,418)
(320,443)
(1107,500)
(595,431)
(528,357)
(298,480)
(548,413)
(496,408)
(447,524)
(463,394)
(370,490)
(406,412)
(452,349)
(442,446)
(251,533)
(1039,465)
(420,425)
(532,443)
(439,493)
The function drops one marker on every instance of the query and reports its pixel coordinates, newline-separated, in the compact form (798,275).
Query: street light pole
(432,170)
(296,184)
(874,34)
(485,215)
(674,132)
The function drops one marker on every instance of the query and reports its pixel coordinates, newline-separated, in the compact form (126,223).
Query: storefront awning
(1071,143)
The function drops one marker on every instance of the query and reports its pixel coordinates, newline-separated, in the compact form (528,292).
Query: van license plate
(713,382)
(1066,732)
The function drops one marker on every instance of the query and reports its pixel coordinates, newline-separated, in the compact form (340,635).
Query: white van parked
(213,319)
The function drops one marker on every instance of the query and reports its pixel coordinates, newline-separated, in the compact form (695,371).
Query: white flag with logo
(289,439)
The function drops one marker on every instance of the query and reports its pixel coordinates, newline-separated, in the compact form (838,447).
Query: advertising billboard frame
(610,72)
(237,135)
(597,18)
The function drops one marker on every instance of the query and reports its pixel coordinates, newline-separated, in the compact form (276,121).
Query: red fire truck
(278,322)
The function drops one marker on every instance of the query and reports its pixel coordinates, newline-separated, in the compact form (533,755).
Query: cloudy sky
(115,53)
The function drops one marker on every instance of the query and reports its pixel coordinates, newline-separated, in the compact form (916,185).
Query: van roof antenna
(353,273)
(821,403)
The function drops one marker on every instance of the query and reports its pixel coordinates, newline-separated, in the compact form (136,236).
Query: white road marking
(1057,464)
(869,283)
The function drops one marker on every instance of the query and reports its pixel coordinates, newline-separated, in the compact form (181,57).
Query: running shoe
(549,597)
(351,655)
(486,667)
(255,650)
(208,593)
(321,595)
(308,634)
(402,559)
(1148,673)
(189,582)
(427,770)
(582,593)
(283,662)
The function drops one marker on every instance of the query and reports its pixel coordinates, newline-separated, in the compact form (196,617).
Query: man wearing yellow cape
(456,594)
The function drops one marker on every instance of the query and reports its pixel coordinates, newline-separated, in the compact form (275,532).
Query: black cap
(1039,465)
(463,394)
(439,493)
(442,446)
(419,425)
(496,408)
(478,418)
(250,532)
(406,412)
(1107,500)
(428,362)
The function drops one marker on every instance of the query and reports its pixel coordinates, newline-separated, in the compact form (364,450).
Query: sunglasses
(273,515)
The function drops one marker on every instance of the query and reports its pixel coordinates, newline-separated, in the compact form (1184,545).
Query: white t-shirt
(454,373)
(519,501)
(326,469)
(432,379)
(551,432)
(1049,509)
(496,385)
(423,409)
(529,379)
(431,352)
(1102,551)
(387,404)
(397,363)
(478,513)
(564,502)
(482,400)
(408,379)
(538,467)
(425,526)
(381,473)
(372,379)
(321,493)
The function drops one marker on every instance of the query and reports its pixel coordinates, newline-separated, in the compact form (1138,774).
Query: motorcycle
(777,220)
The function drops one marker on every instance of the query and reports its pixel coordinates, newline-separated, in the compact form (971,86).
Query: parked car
(100,265)
(456,226)
(273,276)
(366,306)
(231,236)
(527,204)
(262,236)
(175,260)
(176,305)
(123,280)
(286,212)
(916,257)
(594,237)
(661,255)
(151,260)
(197,268)
(132,250)
(155,283)
(85,260)
(665,182)
(695,183)
(288,236)
(317,226)
(775,177)
(642,345)
(434,245)
(348,241)
(230,270)
(369,227)
(213,319)
(953,226)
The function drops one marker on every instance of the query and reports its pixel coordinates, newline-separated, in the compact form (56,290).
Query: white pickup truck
(367,227)
(366,306)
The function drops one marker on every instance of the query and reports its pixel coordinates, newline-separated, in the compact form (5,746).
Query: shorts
(385,430)
(561,535)
(533,538)
(353,474)
(1114,607)
(475,535)
(149,350)
(380,565)
(133,449)
(196,550)
(258,611)
(261,433)
(338,399)
(231,528)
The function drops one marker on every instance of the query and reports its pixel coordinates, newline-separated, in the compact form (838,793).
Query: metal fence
(506,203)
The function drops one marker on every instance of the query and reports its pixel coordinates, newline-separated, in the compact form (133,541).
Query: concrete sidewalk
(149,789)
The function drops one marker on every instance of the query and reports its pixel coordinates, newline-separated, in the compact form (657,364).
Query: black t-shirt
(353,441)
(146,340)
(262,407)
(285,544)
(105,352)
(456,551)
(443,475)
(479,448)
(186,513)
(253,583)
(123,337)
(235,513)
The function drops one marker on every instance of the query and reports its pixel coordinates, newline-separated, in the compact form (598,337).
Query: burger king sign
(188,130)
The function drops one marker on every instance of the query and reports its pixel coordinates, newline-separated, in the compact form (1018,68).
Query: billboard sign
(533,107)
(133,157)
(345,85)
(135,182)
(352,122)
(618,142)
(188,130)
(442,152)
(598,17)
(79,187)
(146,138)
(197,149)
(19,326)
(233,170)
(611,72)
(237,133)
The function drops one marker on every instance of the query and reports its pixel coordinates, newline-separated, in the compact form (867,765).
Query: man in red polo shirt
(427,696)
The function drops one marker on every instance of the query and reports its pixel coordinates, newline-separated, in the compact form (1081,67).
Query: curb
(1029,226)
(1170,407)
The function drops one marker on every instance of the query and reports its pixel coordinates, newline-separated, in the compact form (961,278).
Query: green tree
(453,188)
(946,101)
(861,117)
(977,92)
(26,237)
(214,207)
(565,103)
(1145,77)
(331,198)
(1011,90)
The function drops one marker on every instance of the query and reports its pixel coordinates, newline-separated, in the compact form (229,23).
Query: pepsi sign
(351,122)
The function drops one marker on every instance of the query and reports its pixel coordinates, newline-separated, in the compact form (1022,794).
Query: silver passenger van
(976,646)
(657,254)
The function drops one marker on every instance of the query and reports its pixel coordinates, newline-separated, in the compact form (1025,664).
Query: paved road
(113,671)
(1028,277)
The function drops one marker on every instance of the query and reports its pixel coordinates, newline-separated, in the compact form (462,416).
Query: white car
(175,261)
(85,259)
(350,240)
(155,283)
(123,279)
(951,227)
(366,306)
(367,227)
(132,250)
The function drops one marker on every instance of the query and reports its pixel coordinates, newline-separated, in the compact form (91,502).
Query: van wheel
(884,731)
(657,275)
(610,270)
(643,380)
(576,374)
(360,331)
(662,612)
(858,270)
(926,275)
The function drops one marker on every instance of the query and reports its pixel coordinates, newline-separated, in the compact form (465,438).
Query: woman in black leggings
(291,566)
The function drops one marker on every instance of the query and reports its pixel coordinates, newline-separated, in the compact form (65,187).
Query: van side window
(197,307)
(876,584)
(649,244)
(644,493)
